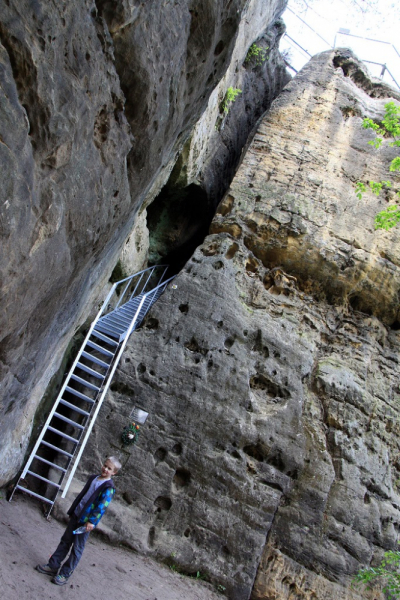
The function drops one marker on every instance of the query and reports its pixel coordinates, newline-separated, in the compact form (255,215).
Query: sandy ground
(27,538)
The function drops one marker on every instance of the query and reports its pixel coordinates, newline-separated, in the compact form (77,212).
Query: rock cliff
(270,460)
(98,100)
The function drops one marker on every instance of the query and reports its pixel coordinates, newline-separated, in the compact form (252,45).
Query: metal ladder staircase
(60,445)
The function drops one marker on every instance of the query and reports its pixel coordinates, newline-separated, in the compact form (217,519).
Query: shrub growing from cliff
(388,127)
(256,55)
(387,573)
(229,98)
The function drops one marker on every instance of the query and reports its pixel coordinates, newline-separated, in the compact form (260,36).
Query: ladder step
(62,434)
(118,323)
(89,370)
(104,338)
(57,449)
(120,314)
(108,330)
(20,487)
(85,383)
(100,349)
(69,405)
(70,421)
(43,479)
(95,359)
(119,319)
(112,324)
(50,463)
(78,395)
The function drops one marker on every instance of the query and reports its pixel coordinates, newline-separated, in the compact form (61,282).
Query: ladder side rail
(138,273)
(105,303)
(100,400)
(128,283)
(53,410)
(162,276)
(163,284)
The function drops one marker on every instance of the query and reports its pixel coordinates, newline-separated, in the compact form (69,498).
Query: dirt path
(27,538)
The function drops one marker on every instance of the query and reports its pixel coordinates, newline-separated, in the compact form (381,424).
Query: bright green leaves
(386,573)
(230,96)
(388,218)
(395,164)
(361,188)
(256,55)
(376,186)
(389,127)
(391,120)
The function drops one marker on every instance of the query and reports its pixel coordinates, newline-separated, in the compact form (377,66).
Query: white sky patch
(373,32)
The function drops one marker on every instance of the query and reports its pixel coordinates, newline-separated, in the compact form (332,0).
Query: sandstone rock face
(270,460)
(97,102)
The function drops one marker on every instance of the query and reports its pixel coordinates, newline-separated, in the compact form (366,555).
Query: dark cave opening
(178,221)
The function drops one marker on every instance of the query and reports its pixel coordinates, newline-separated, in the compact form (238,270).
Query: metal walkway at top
(60,445)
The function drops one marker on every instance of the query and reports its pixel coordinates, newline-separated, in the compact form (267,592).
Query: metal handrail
(128,281)
(109,378)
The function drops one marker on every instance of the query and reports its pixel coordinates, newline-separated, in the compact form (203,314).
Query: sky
(372,26)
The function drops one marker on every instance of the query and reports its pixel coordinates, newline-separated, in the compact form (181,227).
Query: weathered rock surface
(97,102)
(270,459)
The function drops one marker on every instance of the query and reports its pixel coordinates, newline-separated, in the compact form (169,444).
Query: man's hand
(89,526)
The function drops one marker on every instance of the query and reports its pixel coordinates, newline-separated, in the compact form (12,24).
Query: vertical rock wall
(270,460)
(97,102)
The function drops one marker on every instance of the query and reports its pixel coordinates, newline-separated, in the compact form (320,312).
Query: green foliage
(361,188)
(387,574)
(389,127)
(221,588)
(388,218)
(256,55)
(230,97)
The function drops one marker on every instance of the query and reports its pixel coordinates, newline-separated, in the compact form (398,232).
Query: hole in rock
(276,461)
(256,451)
(177,449)
(219,47)
(151,323)
(160,455)
(262,383)
(178,221)
(229,343)
(218,265)
(182,478)
(152,535)
(163,503)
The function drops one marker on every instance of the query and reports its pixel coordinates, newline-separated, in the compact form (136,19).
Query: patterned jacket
(97,504)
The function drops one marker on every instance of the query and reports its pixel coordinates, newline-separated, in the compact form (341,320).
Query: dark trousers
(69,541)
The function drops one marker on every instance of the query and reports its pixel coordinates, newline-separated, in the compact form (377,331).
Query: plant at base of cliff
(389,127)
(256,55)
(387,573)
(230,97)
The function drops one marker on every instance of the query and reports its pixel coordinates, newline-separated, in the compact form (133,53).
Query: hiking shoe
(60,580)
(46,570)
